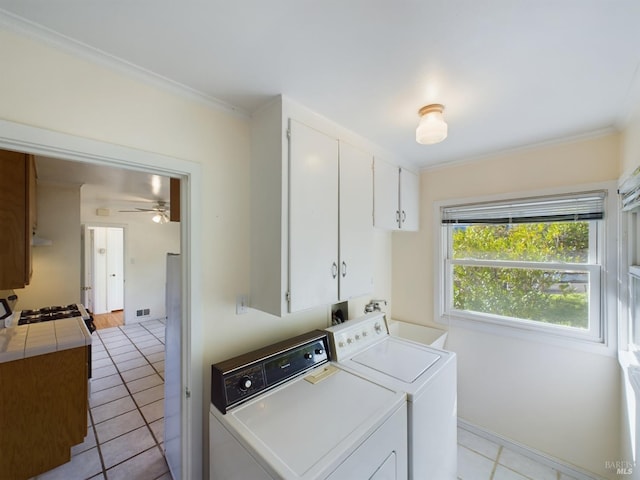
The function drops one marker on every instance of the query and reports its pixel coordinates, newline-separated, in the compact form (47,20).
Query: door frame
(39,141)
(85,231)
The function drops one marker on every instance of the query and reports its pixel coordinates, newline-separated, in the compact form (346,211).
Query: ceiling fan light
(161,218)
(432,127)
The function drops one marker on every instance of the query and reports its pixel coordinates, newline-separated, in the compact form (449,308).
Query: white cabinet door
(356,222)
(386,195)
(409,200)
(313,218)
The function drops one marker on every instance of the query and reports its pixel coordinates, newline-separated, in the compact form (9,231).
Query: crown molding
(22,26)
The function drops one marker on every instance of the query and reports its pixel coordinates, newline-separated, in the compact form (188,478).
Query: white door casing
(39,141)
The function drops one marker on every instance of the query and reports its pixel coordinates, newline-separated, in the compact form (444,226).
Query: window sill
(521,332)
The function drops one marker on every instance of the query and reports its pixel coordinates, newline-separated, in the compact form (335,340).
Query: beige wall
(557,400)
(56,267)
(47,88)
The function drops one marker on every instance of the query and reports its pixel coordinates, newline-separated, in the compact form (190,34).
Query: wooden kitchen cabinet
(396,197)
(311,213)
(44,402)
(17,217)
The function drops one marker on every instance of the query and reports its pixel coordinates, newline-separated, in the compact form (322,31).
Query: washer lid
(402,360)
(304,429)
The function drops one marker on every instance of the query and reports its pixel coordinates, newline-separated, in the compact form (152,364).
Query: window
(533,263)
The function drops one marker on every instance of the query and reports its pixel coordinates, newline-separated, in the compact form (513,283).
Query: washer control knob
(308,356)
(245,383)
(319,351)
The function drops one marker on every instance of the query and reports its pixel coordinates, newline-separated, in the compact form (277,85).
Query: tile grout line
(495,463)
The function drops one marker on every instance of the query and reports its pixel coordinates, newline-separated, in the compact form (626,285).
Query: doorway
(103,268)
(38,141)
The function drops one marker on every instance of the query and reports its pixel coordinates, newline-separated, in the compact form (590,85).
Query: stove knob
(308,356)
(341,344)
(378,328)
(365,333)
(245,383)
(319,351)
(349,341)
(357,337)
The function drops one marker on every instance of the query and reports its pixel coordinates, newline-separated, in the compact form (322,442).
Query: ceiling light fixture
(161,217)
(432,127)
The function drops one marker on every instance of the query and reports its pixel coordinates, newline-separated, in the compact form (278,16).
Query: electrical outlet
(242,304)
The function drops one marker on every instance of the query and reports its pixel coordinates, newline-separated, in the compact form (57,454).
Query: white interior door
(107,262)
(115,268)
(313,218)
(356,222)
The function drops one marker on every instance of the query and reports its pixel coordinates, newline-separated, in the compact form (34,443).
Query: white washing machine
(427,375)
(286,412)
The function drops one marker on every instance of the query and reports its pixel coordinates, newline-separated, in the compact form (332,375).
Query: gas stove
(56,312)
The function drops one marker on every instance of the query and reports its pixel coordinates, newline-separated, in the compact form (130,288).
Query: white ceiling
(105,187)
(510,73)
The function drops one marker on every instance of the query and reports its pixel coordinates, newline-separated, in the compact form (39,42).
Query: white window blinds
(563,208)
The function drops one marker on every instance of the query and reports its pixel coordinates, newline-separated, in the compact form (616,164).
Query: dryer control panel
(353,336)
(241,378)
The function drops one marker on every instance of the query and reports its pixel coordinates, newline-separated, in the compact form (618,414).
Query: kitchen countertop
(22,341)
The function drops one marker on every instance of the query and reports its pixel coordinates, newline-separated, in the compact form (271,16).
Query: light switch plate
(242,304)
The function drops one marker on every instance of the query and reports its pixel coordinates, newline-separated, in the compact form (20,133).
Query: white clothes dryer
(286,412)
(428,376)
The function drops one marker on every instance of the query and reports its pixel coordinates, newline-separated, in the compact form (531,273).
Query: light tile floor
(126,417)
(482,459)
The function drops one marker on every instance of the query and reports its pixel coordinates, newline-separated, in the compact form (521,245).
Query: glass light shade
(160,218)
(432,128)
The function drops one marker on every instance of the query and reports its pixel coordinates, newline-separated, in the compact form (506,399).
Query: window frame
(599,338)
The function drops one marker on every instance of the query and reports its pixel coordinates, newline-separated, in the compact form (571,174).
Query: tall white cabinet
(313,218)
(311,212)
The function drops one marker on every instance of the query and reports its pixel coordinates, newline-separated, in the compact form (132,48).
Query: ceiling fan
(161,210)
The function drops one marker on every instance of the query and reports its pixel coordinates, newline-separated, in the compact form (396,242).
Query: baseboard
(536,455)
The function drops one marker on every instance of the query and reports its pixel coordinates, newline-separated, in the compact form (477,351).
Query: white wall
(557,400)
(47,88)
(56,268)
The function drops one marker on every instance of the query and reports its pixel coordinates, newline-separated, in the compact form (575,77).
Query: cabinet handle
(334,270)
(344,269)
(404,216)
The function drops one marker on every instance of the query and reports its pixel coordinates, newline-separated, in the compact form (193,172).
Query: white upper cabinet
(396,197)
(311,212)
(313,218)
(356,222)
(409,200)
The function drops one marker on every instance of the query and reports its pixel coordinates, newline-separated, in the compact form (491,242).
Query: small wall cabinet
(396,197)
(17,217)
(311,211)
